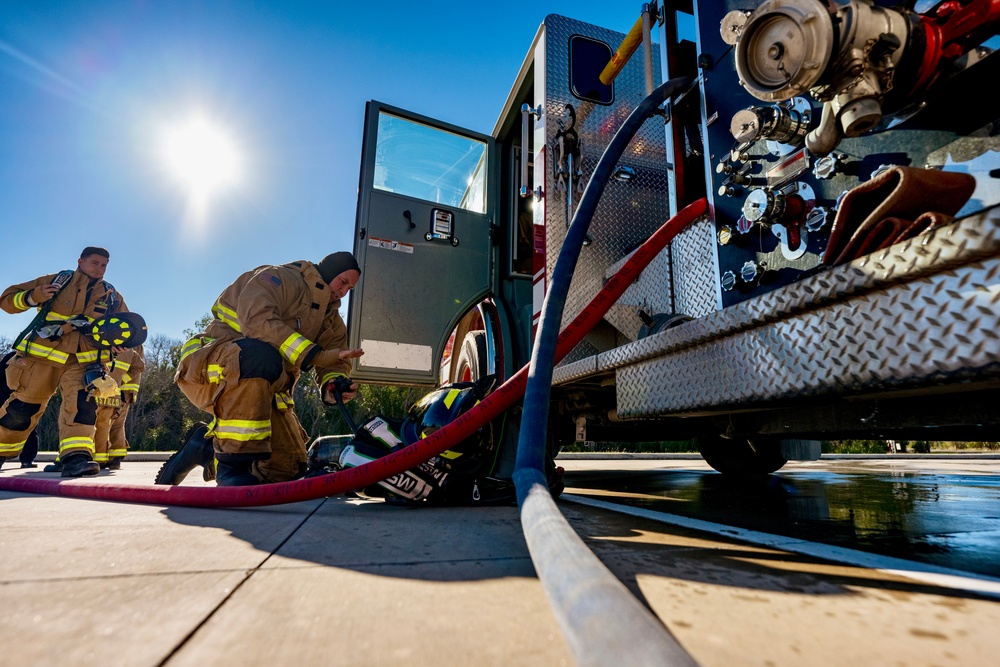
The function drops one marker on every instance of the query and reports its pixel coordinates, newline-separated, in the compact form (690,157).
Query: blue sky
(88,90)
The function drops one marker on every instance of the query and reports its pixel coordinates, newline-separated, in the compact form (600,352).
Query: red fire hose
(375,471)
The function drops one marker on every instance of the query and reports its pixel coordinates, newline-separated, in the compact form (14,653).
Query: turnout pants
(109,439)
(243,385)
(32,383)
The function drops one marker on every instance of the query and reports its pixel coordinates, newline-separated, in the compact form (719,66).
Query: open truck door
(423,240)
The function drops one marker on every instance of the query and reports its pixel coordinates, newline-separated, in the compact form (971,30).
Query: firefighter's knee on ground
(259,360)
(19,414)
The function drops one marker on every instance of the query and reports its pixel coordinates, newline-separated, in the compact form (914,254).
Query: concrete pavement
(338,581)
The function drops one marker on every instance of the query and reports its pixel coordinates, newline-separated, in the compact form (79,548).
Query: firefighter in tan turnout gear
(110,442)
(54,354)
(270,325)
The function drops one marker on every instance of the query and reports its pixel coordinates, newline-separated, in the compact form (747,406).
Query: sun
(201,156)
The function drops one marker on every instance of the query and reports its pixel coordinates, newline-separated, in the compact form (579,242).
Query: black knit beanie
(333,265)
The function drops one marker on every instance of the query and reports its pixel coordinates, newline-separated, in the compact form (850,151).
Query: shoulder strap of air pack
(61,280)
(112,296)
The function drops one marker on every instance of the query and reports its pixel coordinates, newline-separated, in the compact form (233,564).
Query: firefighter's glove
(41,294)
(128,397)
(342,385)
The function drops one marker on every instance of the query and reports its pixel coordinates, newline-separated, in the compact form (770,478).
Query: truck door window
(587,59)
(417,160)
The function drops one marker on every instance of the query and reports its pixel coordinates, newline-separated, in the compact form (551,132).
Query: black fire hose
(602,622)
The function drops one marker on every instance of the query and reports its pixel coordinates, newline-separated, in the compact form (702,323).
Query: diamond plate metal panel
(968,240)
(696,270)
(938,328)
(650,292)
(628,211)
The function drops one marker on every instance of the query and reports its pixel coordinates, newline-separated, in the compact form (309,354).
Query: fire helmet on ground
(125,329)
(438,409)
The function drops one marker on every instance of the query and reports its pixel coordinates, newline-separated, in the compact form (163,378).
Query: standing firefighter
(55,354)
(110,442)
(270,325)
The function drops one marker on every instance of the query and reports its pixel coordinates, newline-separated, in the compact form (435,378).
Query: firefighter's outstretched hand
(328,358)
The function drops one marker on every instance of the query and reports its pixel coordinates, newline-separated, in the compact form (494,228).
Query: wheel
(741,456)
(471,363)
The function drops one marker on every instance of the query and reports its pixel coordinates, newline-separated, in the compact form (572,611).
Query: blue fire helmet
(123,329)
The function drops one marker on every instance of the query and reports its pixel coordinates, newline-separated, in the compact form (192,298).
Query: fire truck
(844,281)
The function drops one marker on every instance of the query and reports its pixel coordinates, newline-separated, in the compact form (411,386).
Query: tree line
(162,415)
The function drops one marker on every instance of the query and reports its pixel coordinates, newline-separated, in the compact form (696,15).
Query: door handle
(409,218)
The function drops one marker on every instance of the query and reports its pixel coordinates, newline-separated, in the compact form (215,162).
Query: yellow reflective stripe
(117,453)
(284,400)
(57,317)
(130,387)
(194,344)
(43,352)
(21,300)
(243,429)
(330,376)
(210,433)
(451,396)
(101,457)
(11,448)
(215,374)
(293,347)
(226,314)
(86,357)
(117,365)
(76,443)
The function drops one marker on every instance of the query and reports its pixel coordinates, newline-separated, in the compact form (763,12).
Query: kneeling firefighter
(475,471)
(272,323)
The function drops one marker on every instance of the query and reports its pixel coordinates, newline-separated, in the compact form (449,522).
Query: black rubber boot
(115,463)
(197,450)
(56,466)
(235,473)
(80,465)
